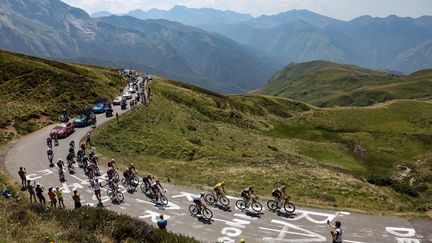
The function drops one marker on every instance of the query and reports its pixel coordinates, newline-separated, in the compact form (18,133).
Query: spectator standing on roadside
(88,141)
(31,190)
(59,195)
(22,174)
(337,234)
(39,193)
(162,223)
(76,198)
(52,197)
(97,189)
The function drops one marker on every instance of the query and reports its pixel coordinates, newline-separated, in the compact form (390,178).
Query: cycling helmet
(157,181)
(223,182)
(60,160)
(202,194)
(283,187)
(242,240)
(131,164)
(112,160)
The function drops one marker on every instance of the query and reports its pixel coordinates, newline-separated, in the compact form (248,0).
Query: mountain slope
(266,141)
(35,91)
(56,30)
(329,84)
(199,50)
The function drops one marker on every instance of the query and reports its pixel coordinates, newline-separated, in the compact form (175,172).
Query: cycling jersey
(218,186)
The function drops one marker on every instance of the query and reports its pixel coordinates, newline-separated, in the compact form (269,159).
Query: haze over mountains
(394,43)
(50,28)
(219,50)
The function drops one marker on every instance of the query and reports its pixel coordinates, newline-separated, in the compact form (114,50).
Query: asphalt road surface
(227,225)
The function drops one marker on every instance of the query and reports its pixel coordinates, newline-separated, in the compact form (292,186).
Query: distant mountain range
(326,84)
(394,43)
(50,28)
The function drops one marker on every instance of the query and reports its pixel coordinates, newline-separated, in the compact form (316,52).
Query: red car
(62,130)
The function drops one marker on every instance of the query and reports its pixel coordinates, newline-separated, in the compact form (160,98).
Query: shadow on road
(253,214)
(204,221)
(286,215)
(223,208)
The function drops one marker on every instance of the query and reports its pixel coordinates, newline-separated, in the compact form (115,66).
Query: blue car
(84,120)
(100,108)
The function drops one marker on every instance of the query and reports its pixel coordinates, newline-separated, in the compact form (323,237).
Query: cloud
(342,9)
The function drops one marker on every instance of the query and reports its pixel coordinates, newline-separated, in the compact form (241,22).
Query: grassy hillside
(265,141)
(35,91)
(24,222)
(326,84)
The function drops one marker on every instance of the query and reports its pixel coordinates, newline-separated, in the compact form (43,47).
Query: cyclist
(147,180)
(131,167)
(198,200)
(50,154)
(278,193)
(83,147)
(128,175)
(92,156)
(49,141)
(112,164)
(71,150)
(70,158)
(72,144)
(155,187)
(247,193)
(217,188)
(110,173)
(60,164)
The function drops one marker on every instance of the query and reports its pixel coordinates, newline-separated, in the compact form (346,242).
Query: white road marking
(188,195)
(153,216)
(313,237)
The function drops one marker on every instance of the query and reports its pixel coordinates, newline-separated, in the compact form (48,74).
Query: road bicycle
(273,205)
(204,211)
(255,205)
(162,198)
(212,198)
(114,193)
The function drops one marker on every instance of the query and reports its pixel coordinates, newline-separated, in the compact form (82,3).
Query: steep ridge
(329,84)
(55,30)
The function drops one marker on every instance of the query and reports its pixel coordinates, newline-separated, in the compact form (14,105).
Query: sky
(340,9)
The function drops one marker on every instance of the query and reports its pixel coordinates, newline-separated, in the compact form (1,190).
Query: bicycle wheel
(119,196)
(272,205)
(193,210)
(241,204)
(257,207)
(210,199)
(164,200)
(143,187)
(207,213)
(289,207)
(224,201)
(110,193)
(124,182)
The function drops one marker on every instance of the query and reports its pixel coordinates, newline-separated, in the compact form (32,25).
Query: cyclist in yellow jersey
(218,187)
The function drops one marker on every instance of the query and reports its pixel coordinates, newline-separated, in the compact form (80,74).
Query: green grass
(35,91)
(266,141)
(326,84)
